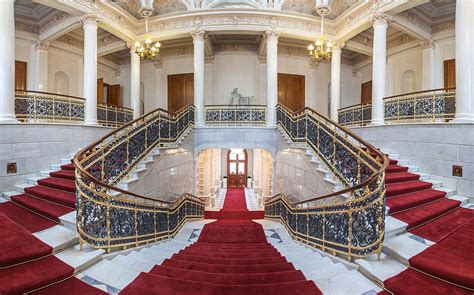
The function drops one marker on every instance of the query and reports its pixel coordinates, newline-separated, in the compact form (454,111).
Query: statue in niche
(238,99)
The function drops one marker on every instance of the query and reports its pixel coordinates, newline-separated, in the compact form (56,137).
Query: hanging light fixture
(147,49)
(321,49)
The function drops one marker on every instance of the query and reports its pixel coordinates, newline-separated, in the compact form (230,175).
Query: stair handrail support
(358,166)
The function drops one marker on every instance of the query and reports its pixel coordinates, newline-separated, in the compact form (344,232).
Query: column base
(199,125)
(8,119)
(376,123)
(463,118)
(91,123)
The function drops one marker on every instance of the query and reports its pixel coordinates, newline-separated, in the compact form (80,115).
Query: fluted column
(199,43)
(90,69)
(41,67)
(272,76)
(135,83)
(336,79)
(7,62)
(464,62)
(378,67)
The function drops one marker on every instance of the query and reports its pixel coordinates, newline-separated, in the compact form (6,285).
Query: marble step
(124,261)
(404,247)
(78,259)
(58,237)
(378,270)
(327,272)
(394,227)
(350,282)
(112,274)
(69,221)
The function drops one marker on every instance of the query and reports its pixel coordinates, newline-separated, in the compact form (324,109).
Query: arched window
(61,83)
(408,81)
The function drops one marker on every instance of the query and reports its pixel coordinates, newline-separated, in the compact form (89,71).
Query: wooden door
(236,168)
(20,75)
(366,93)
(291,91)
(100,90)
(450,73)
(180,91)
(114,95)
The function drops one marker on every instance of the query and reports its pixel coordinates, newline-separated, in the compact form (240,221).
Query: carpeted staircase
(27,263)
(231,256)
(446,267)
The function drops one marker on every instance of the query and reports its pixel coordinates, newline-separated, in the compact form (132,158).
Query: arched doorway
(236,168)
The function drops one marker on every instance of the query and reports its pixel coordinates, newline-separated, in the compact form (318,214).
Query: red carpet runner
(235,207)
(231,256)
(26,263)
(446,267)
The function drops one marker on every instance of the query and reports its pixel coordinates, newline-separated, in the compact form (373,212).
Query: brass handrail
(357,165)
(102,165)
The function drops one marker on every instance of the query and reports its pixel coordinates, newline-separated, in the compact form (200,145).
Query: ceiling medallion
(147,49)
(321,49)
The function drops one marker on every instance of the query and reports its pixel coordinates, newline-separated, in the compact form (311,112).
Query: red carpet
(231,256)
(451,259)
(411,282)
(33,275)
(71,286)
(32,222)
(429,214)
(26,263)
(413,201)
(440,228)
(235,207)
(18,245)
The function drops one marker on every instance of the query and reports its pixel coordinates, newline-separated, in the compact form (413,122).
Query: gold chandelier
(321,50)
(147,50)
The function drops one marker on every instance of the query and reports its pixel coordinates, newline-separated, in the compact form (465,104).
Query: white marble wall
(435,148)
(35,147)
(296,176)
(171,175)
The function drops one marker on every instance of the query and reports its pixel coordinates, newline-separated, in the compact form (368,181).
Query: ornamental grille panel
(235,115)
(438,105)
(33,106)
(108,217)
(349,222)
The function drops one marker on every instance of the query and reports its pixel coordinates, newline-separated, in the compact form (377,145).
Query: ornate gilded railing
(113,116)
(356,115)
(109,217)
(423,106)
(349,222)
(48,107)
(235,115)
(36,106)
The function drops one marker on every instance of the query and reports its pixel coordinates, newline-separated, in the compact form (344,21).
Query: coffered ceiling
(31,16)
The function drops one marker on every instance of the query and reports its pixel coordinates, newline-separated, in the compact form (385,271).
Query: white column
(135,82)
(160,102)
(335,80)
(7,62)
(464,62)
(199,40)
(41,67)
(272,76)
(90,69)
(378,68)
(428,66)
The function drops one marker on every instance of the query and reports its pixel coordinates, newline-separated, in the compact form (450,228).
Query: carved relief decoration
(443,27)
(402,39)
(57,20)
(159,7)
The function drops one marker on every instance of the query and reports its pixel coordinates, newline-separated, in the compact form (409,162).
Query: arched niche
(61,83)
(408,81)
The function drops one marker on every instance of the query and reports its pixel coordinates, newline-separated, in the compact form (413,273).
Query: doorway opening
(237,168)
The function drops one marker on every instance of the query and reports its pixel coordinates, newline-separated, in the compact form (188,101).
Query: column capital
(338,45)
(272,35)
(198,35)
(381,19)
(428,44)
(41,45)
(89,20)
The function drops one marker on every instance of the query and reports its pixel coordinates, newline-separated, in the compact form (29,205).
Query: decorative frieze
(443,27)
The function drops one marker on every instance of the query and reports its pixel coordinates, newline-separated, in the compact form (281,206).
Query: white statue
(238,99)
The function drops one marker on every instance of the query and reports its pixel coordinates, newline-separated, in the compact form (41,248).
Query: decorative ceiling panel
(160,6)
(337,7)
